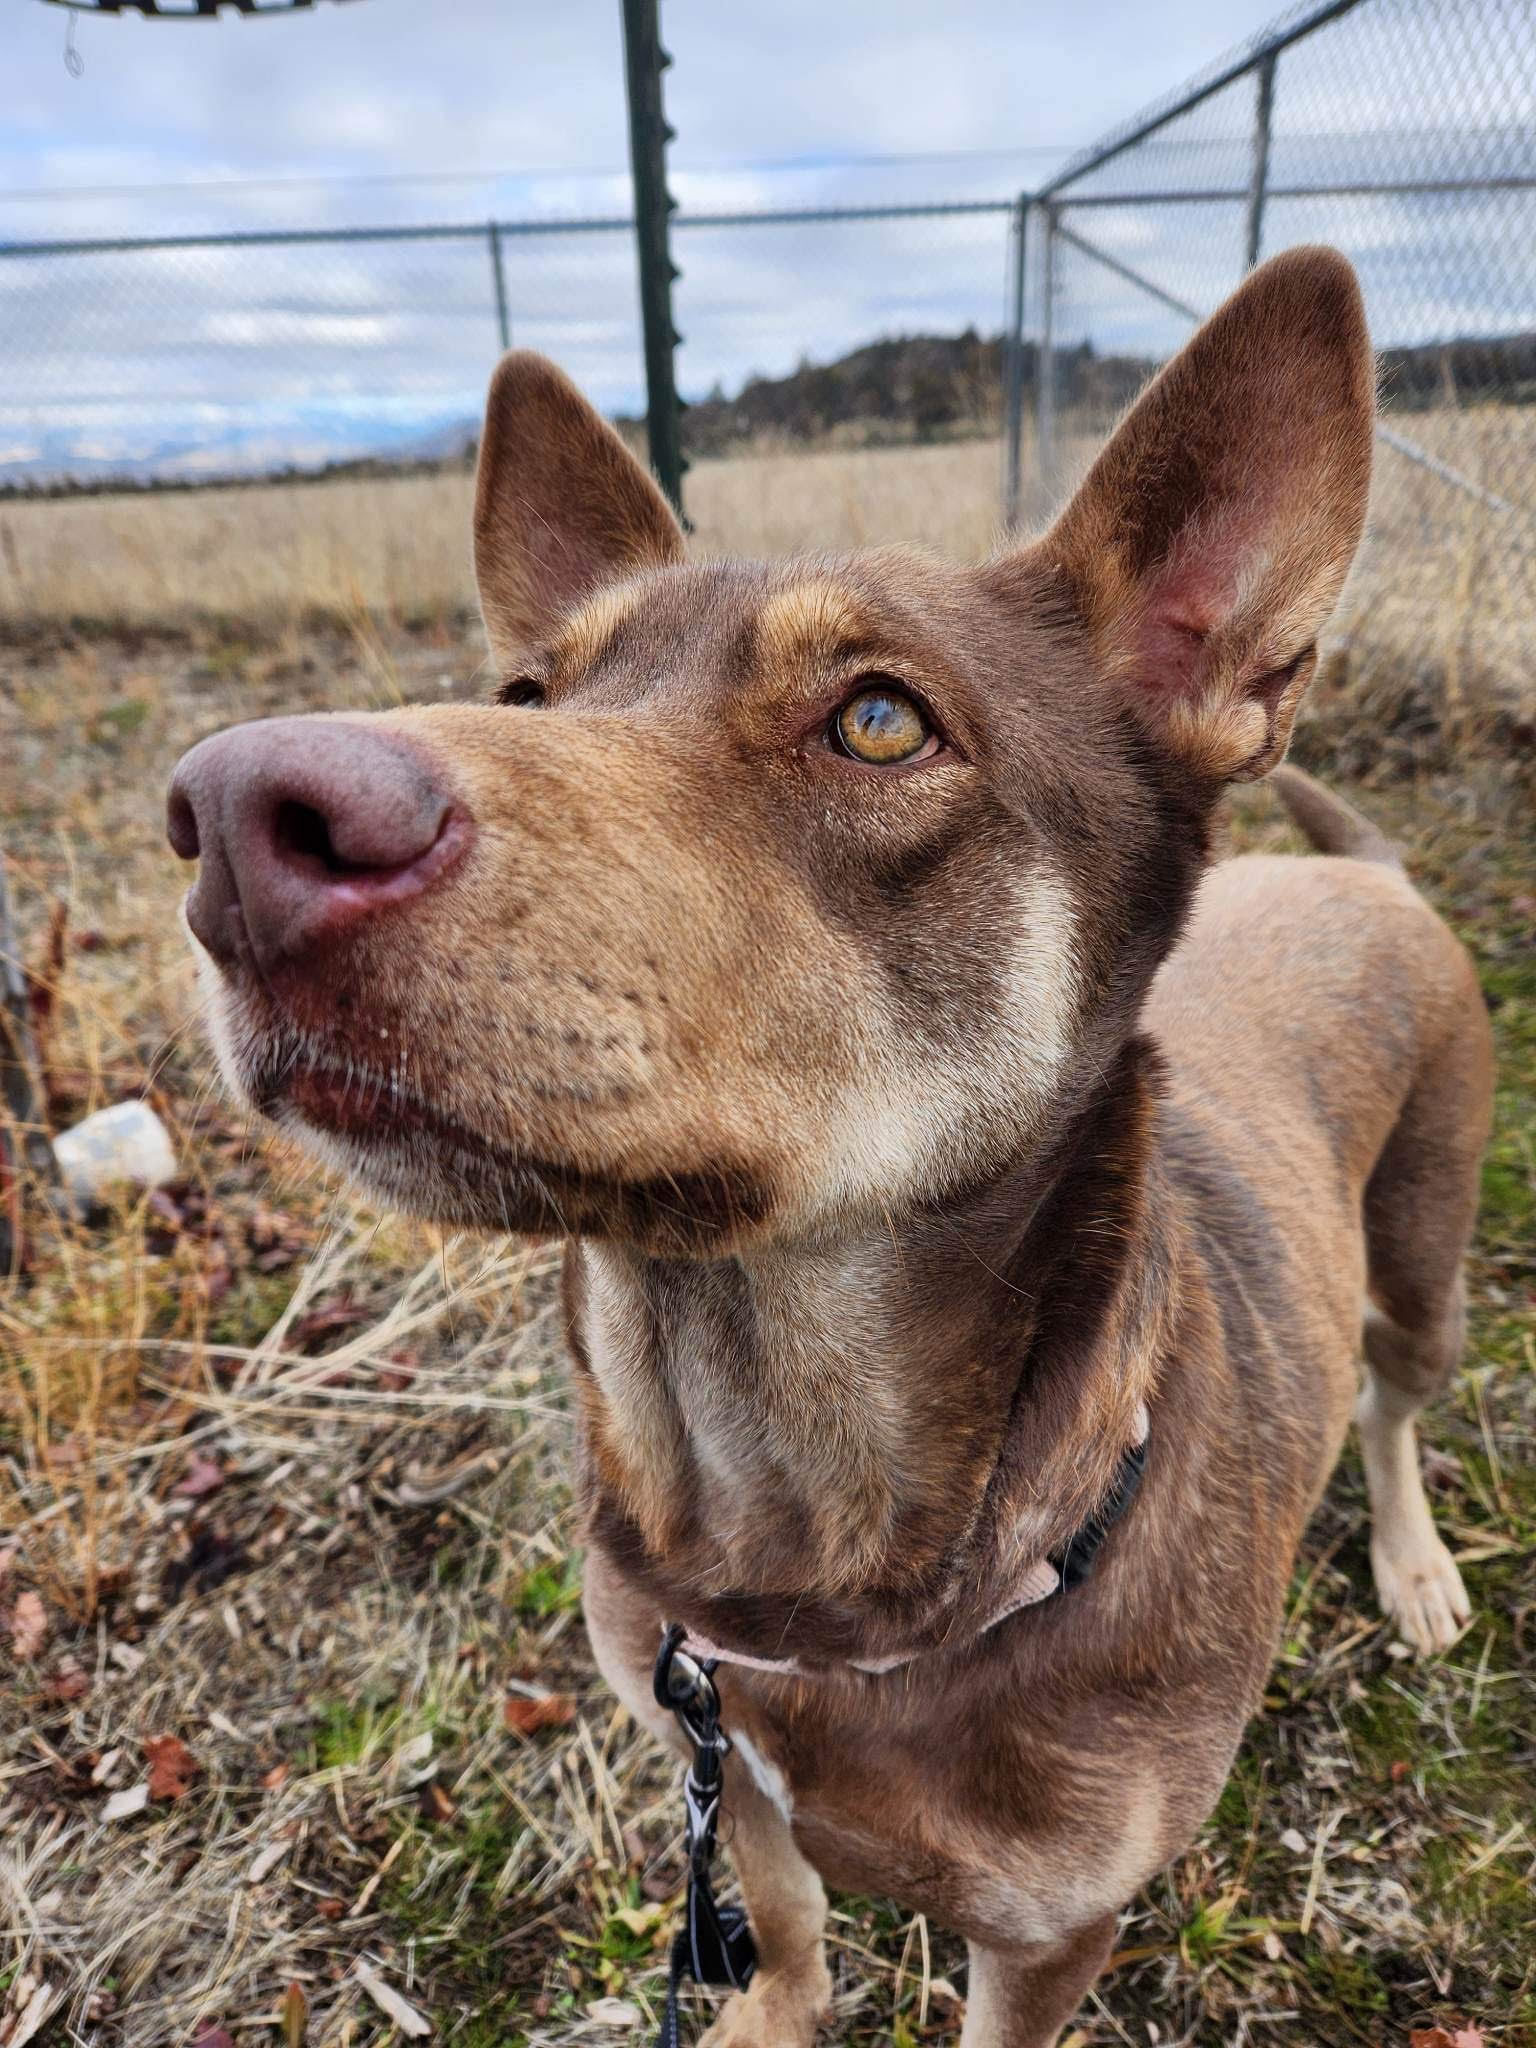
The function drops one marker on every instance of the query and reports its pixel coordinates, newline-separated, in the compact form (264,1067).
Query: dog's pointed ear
(1210,540)
(561,506)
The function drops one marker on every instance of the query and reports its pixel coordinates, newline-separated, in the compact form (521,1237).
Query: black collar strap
(1076,1561)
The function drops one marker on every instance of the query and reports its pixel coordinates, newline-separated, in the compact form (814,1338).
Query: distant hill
(910,387)
(926,387)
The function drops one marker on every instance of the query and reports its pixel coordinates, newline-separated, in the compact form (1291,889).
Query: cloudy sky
(372,112)
(358,88)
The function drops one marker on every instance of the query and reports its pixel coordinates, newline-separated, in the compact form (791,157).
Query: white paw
(1420,1589)
(777,2010)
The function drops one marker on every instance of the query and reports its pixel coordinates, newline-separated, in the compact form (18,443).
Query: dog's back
(1327,1029)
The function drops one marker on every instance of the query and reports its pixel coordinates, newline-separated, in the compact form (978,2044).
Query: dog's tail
(1332,825)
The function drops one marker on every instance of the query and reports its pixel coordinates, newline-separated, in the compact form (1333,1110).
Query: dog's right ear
(1210,540)
(561,506)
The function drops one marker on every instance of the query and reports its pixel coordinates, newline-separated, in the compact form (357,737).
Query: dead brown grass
(276,554)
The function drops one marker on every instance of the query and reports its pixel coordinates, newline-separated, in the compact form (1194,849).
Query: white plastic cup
(126,1145)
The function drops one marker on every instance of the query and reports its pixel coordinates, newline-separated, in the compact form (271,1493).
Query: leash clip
(714,1945)
(685,1686)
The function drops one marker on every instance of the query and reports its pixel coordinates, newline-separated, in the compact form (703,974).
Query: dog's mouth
(365,1108)
(425,1159)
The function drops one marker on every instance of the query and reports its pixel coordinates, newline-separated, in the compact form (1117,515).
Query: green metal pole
(499,281)
(644,62)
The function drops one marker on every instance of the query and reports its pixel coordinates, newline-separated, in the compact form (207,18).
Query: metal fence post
(499,279)
(1045,362)
(644,61)
(1259,187)
(1013,369)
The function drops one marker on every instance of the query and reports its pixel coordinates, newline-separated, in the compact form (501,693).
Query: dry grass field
(300,1740)
(1438,625)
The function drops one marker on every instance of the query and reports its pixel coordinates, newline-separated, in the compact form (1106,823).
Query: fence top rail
(1261,50)
(1357,188)
(448,231)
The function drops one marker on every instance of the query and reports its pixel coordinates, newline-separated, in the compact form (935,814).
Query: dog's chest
(997,1831)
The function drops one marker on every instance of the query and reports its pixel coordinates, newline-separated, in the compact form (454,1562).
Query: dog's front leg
(1023,1997)
(789,1995)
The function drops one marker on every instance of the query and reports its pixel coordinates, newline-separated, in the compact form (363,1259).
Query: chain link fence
(1404,133)
(184,357)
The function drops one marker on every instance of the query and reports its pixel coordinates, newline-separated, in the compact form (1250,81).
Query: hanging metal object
(183,10)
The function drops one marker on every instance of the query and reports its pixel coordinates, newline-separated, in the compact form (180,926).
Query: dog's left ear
(561,506)
(1210,540)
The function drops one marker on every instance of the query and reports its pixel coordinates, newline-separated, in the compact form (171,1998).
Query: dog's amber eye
(882,725)
(521,690)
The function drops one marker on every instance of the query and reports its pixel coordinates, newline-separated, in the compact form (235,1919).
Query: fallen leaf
(1442,1470)
(211,2035)
(527,1717)
(400,1370)
(614,2012)
(70,1681)
(273,1780)
(331,1909)
(172,1767)
(1430,2037)
(29,2021)
(435,1803)
(329,1319)
(1400,1770)
(268,1859)
(29,1626)
(1467,2037)
(389,2001)
(123,1805)
(640,1919)
(295,2016)
(202,1476)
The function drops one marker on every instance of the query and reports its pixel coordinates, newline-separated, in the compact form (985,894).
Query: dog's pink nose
(304,826)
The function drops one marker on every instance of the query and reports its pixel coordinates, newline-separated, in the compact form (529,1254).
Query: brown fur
(906,1147)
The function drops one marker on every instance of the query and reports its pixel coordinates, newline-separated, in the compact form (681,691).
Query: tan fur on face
(810,619)
(587,635)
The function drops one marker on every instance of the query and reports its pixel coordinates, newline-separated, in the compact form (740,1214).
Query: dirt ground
(300,1739)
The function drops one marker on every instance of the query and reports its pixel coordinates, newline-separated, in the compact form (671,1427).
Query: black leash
(714,1945)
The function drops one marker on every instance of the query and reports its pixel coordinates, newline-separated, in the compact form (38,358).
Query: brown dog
(800,941)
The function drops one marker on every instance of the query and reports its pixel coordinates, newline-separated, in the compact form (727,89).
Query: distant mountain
(236,450)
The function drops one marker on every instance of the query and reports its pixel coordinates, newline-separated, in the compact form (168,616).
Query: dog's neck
(871,1432)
